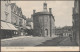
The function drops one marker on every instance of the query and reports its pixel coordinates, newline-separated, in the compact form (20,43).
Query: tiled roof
(67,27)
(17,9)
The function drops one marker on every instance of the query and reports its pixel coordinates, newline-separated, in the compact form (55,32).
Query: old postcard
(40,25)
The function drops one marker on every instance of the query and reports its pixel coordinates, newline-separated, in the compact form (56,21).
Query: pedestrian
(70,37)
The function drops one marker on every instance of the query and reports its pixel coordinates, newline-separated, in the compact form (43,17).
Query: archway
(46,32)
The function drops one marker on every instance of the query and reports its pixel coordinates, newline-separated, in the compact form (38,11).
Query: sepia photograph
(39,23)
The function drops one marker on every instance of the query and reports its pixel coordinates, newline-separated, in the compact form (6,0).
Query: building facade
(67,31)
(29,23)
(64,31)
(6,11)
(13,22)
(44,22)
(24,21)
(16,15)
(58,31)
(7,29)
(76,22)
(17,18)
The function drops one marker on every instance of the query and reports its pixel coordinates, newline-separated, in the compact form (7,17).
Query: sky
(61,10)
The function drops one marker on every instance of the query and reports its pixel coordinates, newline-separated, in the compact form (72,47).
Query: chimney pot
(50,10)
(34,11)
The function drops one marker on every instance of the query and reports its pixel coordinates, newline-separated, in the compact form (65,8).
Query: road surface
(24,41)
(37,41)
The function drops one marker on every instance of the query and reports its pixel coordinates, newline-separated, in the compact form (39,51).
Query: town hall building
(44,22)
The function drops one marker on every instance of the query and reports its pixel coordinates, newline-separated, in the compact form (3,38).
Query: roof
(17,9)
(29,19)
(43,13)
(67,27)
(12,5)
(24,17)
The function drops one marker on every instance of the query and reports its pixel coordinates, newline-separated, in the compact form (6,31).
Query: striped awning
(12,26)
(7,26)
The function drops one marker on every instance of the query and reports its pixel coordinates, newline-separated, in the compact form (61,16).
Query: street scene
(39,23)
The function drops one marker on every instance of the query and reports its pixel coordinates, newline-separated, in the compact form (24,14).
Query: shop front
(8,30)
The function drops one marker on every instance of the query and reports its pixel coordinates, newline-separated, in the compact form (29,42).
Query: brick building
(76,21)
(44,22)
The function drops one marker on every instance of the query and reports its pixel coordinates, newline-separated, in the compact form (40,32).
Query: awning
(7,26)
(12,26)
(4,26)
(28,27)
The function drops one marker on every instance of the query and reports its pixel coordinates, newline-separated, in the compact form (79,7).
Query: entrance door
(46,32)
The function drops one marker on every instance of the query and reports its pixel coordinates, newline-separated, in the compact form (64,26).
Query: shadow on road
(57,41)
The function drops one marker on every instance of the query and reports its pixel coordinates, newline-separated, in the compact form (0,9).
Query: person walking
(70,37)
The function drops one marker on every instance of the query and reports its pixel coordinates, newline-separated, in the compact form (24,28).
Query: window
(6,16)
(16,32)
(6,7)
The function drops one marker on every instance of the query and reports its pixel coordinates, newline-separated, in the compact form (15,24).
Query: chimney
(34,11)
(50,10)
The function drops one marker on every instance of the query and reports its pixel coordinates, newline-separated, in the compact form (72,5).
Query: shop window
(16,32)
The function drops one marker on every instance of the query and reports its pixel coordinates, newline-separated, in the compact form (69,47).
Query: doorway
(46,32)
